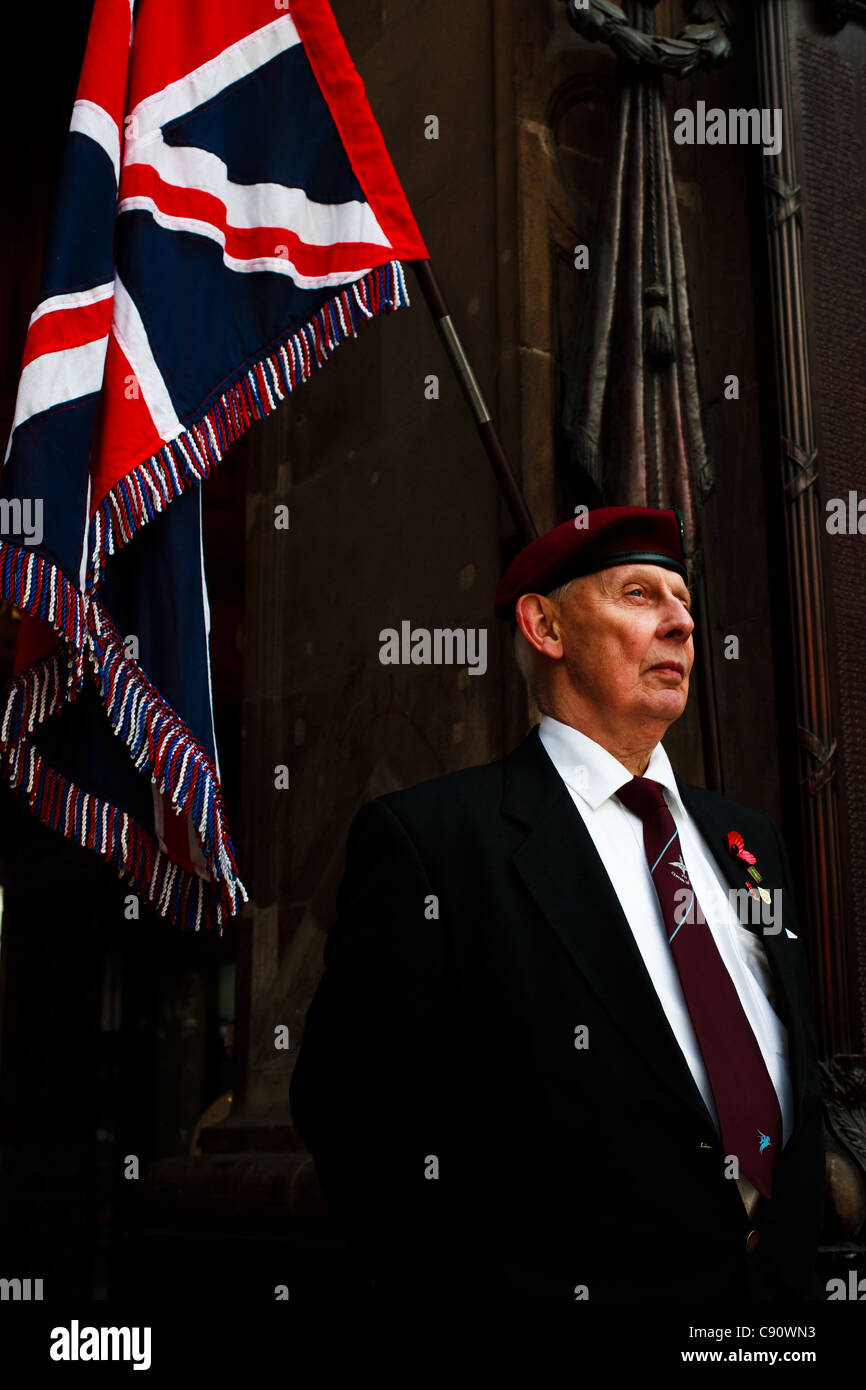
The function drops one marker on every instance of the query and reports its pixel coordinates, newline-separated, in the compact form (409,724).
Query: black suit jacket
(466,1146)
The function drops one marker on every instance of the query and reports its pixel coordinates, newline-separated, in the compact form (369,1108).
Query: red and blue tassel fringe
(155,736)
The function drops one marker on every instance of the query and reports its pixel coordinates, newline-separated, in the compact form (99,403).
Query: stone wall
(394,514)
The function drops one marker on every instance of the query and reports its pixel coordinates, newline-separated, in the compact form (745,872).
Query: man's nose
(678,618)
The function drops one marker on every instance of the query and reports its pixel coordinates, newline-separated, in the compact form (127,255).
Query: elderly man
(551,1056)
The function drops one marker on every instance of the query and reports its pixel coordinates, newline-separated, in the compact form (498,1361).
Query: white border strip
(198,86)
(95,122)
(132,337)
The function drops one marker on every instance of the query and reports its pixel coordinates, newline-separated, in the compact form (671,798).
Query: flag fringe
(160,744)
(35,693)
(78,815)
(192,456)
(157,739)
(40,589)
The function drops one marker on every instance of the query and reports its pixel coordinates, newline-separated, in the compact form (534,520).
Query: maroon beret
(608,536)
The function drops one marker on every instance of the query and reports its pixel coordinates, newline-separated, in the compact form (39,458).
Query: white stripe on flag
(207,81)
(132,336)
(77,299)
(85,541)
(205,606)
(94,121)
(57,377)
(281,265)
(263,204)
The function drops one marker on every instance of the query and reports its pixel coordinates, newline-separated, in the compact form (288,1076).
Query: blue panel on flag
(300,148)
(48,465)
(153,588)
(80,744)
(228,311)
(81,240)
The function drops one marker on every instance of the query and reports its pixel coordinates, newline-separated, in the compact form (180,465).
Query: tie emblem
(679,869)
(764,1142)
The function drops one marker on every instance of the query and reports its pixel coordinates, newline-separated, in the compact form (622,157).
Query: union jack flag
(227,215)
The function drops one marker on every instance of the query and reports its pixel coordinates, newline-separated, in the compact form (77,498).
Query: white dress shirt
(592,776)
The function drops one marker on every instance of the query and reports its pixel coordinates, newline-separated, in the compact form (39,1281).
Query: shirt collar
(592,772)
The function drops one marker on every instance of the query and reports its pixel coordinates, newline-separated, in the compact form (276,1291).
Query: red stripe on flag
(175,835)
(67,328)
(172,39)
(104,70)
(126,433)
(344,92)
(35,640)
(251,243)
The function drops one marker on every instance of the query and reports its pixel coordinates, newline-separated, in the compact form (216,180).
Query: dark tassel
(659,333)
(586,453)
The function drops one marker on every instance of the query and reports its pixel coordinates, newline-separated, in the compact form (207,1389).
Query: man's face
(627,642)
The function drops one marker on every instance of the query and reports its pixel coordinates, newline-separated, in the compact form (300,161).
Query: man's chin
(666,705)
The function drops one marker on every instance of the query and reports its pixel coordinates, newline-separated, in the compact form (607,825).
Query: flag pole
(487,430)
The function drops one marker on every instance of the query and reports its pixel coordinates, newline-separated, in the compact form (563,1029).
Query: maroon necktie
(746,1101)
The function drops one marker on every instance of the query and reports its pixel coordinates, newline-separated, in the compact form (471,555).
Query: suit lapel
(711,817)
(562,870)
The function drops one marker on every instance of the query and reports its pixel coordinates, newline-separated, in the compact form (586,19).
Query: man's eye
(634,591)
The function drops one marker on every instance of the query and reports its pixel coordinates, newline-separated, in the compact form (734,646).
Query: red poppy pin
(739,851)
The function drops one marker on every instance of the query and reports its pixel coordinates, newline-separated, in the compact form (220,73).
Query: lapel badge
(737,848)
(735,844)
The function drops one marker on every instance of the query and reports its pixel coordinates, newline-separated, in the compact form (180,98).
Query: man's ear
(538,618)
(525,616)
